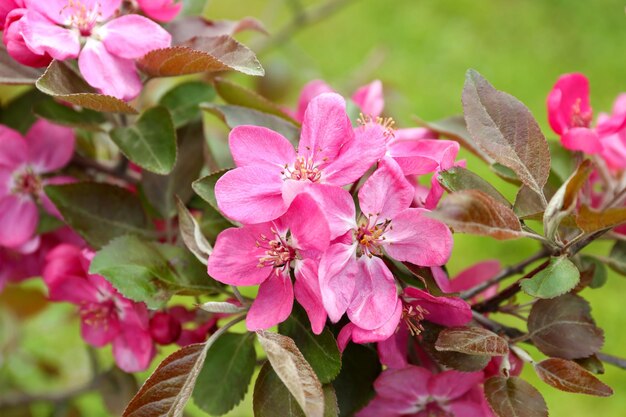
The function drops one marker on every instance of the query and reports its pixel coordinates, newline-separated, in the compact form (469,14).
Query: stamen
(413,317)
(387,123)
(27,182)
(580,119)
(304,169)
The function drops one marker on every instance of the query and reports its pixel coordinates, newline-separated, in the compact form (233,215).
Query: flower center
(81,17)
(304,169)
(413,317)
(97,314)
(371,238)
(278,252)
(27,182)
(433,409)
(580,119)
(387,123)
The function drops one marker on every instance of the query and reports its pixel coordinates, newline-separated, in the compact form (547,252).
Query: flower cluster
(93,31)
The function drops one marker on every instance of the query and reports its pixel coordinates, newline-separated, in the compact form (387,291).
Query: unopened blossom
(414,391)
(91,31)
(570,115)
(23,163)
(161,10)
(106,315)
(182,326)
(270,172)
(266,253)
(353,276)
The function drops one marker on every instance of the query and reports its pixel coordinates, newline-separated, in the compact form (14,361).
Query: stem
(507,272)
(613,360)
(91,165)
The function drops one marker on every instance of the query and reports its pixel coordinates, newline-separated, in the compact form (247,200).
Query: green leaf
(205,187)
(354,385)
(18,114)
(201,54)
(237,95)
(320,351)
(459,179)
(272,398)
(151,142)
(226,373)
(148,271)
(99,212)
(183,101)
(64,115)
(161,189)
(506,130)
(593,270)
(562,327)
(558,278)
(235,116)
(61,82)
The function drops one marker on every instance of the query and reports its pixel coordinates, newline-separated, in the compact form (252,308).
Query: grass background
(421,49)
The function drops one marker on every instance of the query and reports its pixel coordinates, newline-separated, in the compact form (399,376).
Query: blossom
(264,254)
(23,161)
(160,10)
(6,6)
(369,98)
(106,316)
(88,30)
(353,277)
(182,326)
(270,172)
(469,278)
(614,140)
(417,392)
(570,115)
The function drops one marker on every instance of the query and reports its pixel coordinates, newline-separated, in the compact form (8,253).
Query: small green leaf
(558,278)
(183,101)
(320,351)
(151,142)
(597,269)
(64,115)
(235,116)
(99,212)
(226,373)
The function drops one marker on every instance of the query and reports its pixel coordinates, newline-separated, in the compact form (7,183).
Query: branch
(507,272)
(613,360)
(116,172)
(301,19)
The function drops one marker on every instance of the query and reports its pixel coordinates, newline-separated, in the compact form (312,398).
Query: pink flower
(270,173)
(570,115)
(416,392)
(23,161)
(264,254)
(106,316)
(6,6)
(86,29)
(469,278)
(368,98)
(15,44)
(614,140)
(353,277)
(182,326)
(160,10)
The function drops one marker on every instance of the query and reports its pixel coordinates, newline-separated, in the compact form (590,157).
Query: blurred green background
(421,49)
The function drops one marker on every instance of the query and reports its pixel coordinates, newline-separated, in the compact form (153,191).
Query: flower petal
(100,332)
(18,220)
(50,147)
(393,352)
(337,273)
(132,36)
(446,311)
(235,256)
(407,386)
(161,10)
(308,224)
(453,384)
(375,295)
(311,90)
(133,349)
(120,80)
(386,192)
(370,98)
(307,292)
(260,146)
(582,139)
(13,148)
(251,194)
(418,239)
(273,303)
(475,275)
(381,333)
(45,37)
(570,92)
(338,207)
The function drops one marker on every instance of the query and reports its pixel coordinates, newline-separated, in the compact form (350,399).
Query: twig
(613,360)
(510,332)
(89,164)
(507,272)
(302,18)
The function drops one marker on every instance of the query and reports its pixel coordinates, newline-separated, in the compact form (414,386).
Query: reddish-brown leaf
(591,221)
(167,390)
(562,327)
(11,72)
(571,377)
(471,340)
(473,211)
(455,360)
(61,82)
(201,54)
(514,397)
(506,130)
